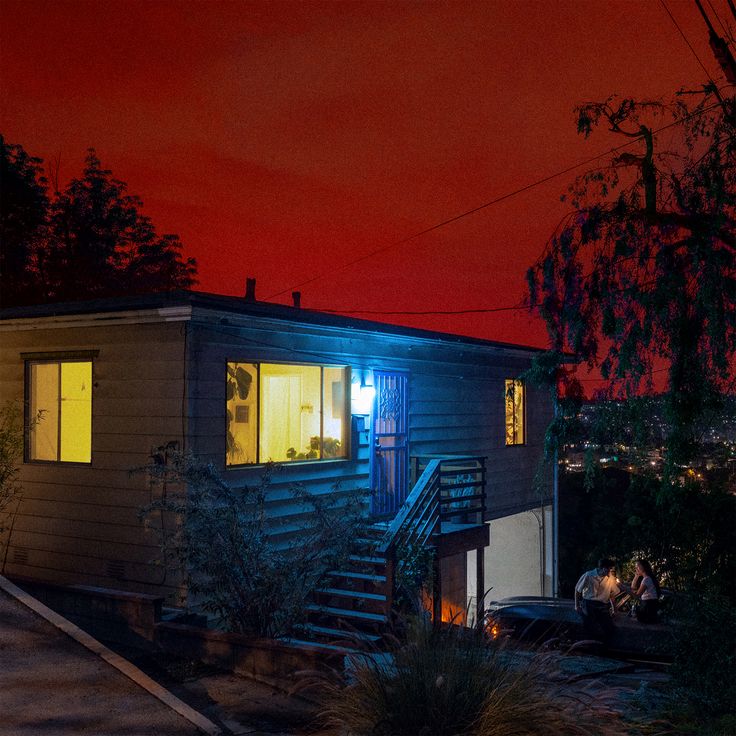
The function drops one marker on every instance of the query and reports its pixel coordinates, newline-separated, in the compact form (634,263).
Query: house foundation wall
(518,560)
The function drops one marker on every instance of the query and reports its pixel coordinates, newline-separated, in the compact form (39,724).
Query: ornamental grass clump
(451,681)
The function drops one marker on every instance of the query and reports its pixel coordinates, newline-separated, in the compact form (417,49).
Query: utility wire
(492,202)
(718,18)
(684,38)
(430,311)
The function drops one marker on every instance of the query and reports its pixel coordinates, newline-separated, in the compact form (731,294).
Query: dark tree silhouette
(23,217)
(90,240)
(642,275)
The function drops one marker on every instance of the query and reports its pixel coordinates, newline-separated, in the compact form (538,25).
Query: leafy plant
(330,448)
(220,541)
(238,384)
(11,453)
(450,681)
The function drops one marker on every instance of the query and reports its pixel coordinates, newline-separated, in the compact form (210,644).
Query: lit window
(515,428)
(282,413)
(60,409)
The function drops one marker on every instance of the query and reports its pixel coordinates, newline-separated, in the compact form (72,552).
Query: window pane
(334,423)
(242,413)
(44,411)
(290,412)
(514,412)
(76,412)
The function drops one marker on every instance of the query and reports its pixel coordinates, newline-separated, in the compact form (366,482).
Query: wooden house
(430,426)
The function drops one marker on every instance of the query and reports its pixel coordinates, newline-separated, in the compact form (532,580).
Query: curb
(119,663)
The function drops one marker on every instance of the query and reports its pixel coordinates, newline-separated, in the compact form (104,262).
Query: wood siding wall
(79,524)
(456,404)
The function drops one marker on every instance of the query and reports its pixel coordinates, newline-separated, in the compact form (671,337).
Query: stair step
(357,576)
(347,613)
(339,634)
(367,559)
(352,594)
(321,645)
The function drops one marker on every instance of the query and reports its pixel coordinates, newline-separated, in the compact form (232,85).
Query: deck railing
(445,489)
(462,481)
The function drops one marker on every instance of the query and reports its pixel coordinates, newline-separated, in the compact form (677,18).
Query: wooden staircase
(353,610)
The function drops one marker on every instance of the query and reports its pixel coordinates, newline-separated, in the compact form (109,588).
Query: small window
(515,408)
(283,412)
(59,395)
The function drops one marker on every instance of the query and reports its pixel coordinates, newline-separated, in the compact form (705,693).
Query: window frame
(59,357)
(521,382)
(347,412)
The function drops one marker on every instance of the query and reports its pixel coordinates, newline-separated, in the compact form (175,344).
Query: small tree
(221,545)
(11,452)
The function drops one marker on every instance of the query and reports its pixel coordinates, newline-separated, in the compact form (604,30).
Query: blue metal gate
(390,442)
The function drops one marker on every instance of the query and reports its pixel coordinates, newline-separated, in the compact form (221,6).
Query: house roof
(241,306)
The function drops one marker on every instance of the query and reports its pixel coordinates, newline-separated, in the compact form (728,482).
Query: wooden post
(436,590)
(480,584)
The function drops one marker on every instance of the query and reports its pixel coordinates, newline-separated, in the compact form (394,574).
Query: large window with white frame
(59,410)
(279,412)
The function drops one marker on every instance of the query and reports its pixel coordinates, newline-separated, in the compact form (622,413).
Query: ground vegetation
(451,681)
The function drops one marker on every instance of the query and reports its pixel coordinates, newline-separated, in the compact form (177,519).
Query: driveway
(52,685)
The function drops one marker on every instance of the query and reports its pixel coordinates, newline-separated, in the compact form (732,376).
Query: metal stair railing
(418,519)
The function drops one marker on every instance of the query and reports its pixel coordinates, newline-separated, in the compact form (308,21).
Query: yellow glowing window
(285,412)
(515,428)
(60,407)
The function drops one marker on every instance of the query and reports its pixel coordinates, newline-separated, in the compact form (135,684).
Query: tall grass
(450,682)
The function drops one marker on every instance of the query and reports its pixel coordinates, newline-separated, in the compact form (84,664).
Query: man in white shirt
(594,592)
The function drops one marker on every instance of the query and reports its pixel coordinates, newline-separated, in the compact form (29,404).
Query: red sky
(283,140)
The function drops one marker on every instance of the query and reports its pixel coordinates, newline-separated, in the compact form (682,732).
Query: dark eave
(240,306)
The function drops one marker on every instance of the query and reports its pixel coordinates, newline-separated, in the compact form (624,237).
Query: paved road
(52,686)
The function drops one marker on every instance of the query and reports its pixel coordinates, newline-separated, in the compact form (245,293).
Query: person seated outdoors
(594,594)
(645,587)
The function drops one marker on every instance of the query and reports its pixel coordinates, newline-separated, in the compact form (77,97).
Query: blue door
(390,442)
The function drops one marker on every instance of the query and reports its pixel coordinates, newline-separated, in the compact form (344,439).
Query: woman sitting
(646,587)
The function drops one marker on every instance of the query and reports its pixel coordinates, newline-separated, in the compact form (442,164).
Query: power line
(684,38)
(430,311)
(492,202)
(718,18)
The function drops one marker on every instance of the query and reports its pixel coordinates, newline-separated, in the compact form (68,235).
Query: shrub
(11,452)
(221,544)
(449,681)
(705,654)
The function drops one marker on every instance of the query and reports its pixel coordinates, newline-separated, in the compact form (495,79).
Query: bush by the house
(220,540)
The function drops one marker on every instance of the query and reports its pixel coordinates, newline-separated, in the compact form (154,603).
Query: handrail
(422,504)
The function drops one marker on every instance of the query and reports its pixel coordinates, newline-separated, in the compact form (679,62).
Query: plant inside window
(514,411)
